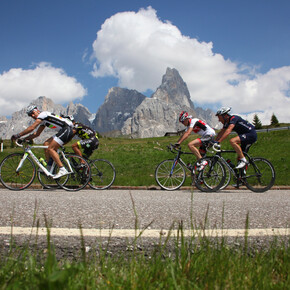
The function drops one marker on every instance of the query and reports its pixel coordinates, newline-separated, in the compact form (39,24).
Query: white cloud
(18,87)
(137,48)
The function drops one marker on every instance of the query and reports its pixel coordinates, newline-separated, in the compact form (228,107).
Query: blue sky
(229,52)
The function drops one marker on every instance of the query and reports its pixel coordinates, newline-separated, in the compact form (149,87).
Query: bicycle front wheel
(15,179)
(212,177)
(79,173)
(260,175)
(103,174)
(170,174)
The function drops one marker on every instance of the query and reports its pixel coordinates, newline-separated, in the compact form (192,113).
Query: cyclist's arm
(224,133)
(31,128)
(184,136)
(36,133)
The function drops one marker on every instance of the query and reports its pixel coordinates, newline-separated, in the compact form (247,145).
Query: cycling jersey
(89,138)
(200,127)
(244,129)
(241,126)
(84,132)
(54,121)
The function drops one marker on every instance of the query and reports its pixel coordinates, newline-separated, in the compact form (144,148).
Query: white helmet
(30,109)
(222,111)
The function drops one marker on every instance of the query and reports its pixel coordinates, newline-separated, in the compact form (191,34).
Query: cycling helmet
(30,109)
(183,115)
(222,111)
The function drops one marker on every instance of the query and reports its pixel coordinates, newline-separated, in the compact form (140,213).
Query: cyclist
(89,139)
(200,127)
(247,134)
(47,119)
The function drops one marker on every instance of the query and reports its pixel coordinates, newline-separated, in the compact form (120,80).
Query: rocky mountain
(19,120)
(159,114)
(119,105)
(124,112)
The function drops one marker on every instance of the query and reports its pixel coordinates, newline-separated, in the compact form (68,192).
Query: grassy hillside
(135,160)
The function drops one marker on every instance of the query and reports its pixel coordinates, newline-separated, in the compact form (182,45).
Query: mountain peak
(173,89)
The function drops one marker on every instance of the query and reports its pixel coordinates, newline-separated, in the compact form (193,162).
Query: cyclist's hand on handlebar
(176,145)
(15,137)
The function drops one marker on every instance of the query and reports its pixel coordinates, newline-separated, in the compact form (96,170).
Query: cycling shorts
(248,139)
(64,135)
(204,141)
(88,145)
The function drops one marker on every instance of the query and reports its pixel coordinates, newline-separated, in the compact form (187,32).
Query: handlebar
(216,147)
(23,142)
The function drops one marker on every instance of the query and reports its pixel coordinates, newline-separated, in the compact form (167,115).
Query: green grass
(135,160)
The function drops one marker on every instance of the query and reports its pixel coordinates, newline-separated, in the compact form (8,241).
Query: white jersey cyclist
(54,121)
(57,122)
(200,127)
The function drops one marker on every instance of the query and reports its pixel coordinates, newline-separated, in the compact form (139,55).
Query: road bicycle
(170,174)
(103,173)
(258,175)
(18,170)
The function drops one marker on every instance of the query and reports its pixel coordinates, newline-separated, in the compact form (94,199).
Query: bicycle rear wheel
(79,173)
(103,174)
(260,175)
(170,174)
(20,179)
(212,177)
(46,181)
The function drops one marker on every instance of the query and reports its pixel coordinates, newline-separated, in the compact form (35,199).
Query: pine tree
(256,122)
(274,121)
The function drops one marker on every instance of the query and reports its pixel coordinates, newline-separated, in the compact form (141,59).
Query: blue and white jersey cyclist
(53,121)
(207,134)
(247,134)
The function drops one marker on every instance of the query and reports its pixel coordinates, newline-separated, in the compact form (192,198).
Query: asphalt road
(122,209)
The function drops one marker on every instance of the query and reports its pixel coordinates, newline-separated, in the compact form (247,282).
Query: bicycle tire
(170,174)
(46,181)
(260,175)
(212,177)
(228,177)
(80,175)
(103,174)
(17,180)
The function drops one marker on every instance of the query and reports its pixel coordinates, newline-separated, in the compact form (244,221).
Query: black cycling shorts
(88,145)
(64,135)
(247,140)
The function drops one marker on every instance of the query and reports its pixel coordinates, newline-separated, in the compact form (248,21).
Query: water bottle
(230,163)
(43,162)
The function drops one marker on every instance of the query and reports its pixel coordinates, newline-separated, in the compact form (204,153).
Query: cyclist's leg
(236,144)
(193,147)
(77,148)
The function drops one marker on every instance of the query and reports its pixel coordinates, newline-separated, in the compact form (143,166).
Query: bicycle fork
(173,166)
(21,162)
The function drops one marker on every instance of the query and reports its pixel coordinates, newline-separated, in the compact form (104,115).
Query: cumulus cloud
(18,87)
(137,47)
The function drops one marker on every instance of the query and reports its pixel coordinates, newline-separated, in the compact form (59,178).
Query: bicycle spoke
(260,175)
(78,177)
(103,174)
(170,176)
(17,180)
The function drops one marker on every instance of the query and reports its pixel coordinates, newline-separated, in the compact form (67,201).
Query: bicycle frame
(178,158)
(28,151)
(238,174)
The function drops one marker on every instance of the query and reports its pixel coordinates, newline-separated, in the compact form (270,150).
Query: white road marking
(147,233)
